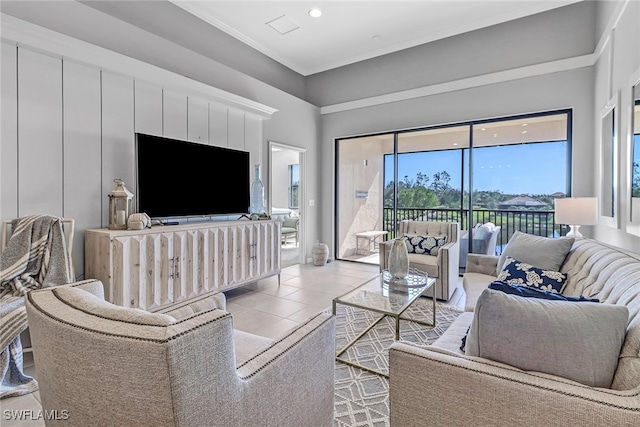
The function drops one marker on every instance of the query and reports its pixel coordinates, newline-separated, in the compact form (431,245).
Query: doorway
(286,196)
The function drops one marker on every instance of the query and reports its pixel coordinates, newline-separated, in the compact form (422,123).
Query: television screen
(179,178)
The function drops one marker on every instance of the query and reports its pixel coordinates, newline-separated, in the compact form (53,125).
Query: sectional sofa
(454,388)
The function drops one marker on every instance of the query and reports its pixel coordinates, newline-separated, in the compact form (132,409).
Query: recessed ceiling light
(315,13)
(524,124)
(483,129)
(524,131)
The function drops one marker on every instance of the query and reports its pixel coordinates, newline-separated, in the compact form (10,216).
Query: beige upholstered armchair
(443,266)
(108,365)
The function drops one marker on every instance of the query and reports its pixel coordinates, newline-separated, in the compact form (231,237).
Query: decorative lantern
(119,206)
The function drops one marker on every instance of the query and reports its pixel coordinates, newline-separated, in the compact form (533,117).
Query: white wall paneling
(82,150)
(148,108)
(218,131)
(236,129)
(118,148)
(197,119)
(174,115)
(40,134)
(9,132)
(68,127)
(253,139)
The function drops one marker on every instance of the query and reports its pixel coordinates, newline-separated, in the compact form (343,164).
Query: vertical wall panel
(9,133)
(197,120)
(118,149)
(218,118)
(82,151)
(253,139)
(39,134)
(236,129)
(174,115)
(148,107)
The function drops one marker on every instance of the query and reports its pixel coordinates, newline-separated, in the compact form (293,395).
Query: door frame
(302,209)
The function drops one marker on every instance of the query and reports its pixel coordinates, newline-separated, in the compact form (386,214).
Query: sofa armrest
(474,391)
(484,264)
(299,368)
(449,266)
(93,286)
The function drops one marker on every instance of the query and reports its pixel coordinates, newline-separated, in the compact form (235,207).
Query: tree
(635,183)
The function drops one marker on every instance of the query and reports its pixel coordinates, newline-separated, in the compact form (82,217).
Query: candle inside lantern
(120,217)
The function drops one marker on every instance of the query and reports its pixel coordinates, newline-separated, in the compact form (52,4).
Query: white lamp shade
(577,211)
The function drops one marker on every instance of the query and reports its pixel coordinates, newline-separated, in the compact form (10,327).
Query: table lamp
(576,211)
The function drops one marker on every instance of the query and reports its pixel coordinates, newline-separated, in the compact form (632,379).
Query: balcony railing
(540,223)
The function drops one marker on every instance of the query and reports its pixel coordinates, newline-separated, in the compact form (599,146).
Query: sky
(539,168)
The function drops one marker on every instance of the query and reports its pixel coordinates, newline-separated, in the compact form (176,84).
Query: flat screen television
(185,179)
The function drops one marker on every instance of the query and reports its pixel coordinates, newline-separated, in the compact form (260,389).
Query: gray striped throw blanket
(35,257)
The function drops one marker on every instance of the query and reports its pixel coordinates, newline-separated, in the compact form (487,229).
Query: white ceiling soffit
(352,31)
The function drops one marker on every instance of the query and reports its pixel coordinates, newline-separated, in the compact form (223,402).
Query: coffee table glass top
(379,294)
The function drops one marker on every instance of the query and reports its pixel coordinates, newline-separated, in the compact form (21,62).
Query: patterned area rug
(362,398)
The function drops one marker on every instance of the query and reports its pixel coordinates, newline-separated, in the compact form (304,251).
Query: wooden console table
(160,268)
(371,238)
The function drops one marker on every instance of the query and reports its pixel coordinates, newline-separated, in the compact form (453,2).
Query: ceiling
(352,31)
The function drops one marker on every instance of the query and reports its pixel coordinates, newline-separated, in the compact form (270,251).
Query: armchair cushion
(543,252)
(429,245)
(520,273)
(549,336)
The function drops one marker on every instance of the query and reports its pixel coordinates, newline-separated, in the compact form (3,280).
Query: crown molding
(467,83)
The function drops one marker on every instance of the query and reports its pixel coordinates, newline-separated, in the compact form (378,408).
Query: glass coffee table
(390,298)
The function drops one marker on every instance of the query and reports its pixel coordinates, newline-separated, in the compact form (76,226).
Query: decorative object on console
(257,194)
(139,221)
(399,259)
(119,206)
(320,254)
(516,272)
(576,211)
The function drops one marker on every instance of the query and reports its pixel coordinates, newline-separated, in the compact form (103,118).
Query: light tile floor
(262,308)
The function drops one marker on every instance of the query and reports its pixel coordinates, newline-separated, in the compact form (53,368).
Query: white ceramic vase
(320,253)
(398,259)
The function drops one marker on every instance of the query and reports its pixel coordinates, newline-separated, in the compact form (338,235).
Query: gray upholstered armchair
(484,240)
(109,365)
(443,266)
(290,228)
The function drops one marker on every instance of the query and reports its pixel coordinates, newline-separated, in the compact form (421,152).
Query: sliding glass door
(505,172)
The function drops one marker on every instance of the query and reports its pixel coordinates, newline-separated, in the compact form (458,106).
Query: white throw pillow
(543,252)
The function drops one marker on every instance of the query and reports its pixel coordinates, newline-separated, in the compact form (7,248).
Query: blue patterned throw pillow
(520,273)
(532,292)
(429,245)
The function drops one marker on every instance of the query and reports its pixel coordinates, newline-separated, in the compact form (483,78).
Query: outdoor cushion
(549,336)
